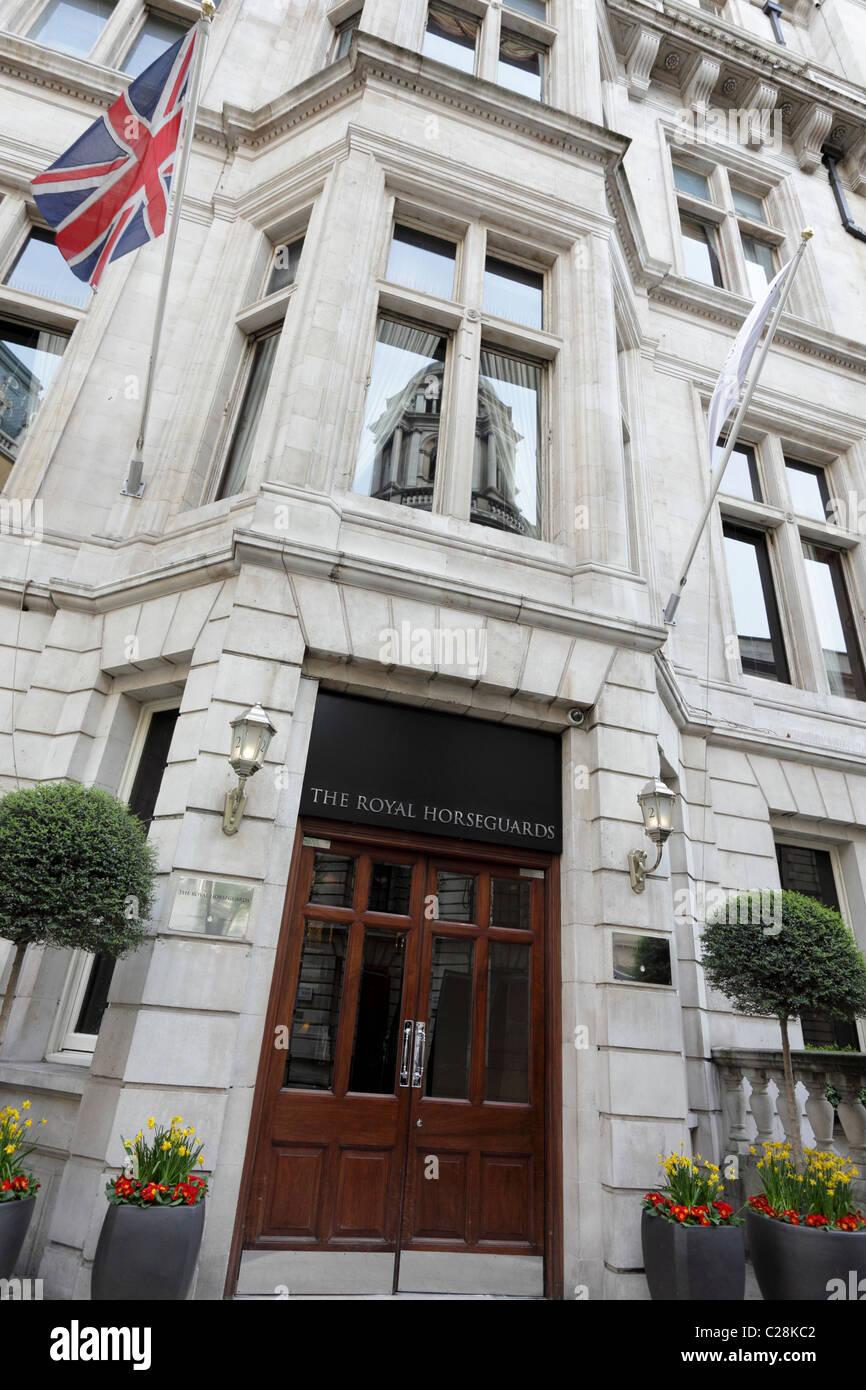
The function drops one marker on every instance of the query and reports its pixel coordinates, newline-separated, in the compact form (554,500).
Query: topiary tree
(784,954)
(75,870)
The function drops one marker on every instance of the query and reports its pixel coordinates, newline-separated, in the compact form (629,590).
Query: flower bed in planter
(692,1241)
(17,1188)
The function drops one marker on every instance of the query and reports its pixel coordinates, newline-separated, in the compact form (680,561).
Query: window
(507,481)
(762,650)
(521,65)
(29,358)
(760,264)
(741,475)
(284,266)
(810,495)
(510,292)
(422,262)
(451,38)
(263,352)
(73,26)
(536,8)
(690,181)
(699,251)
(40,269)
(810,871)
(345,33)
(158,33)
(836,628)
(747,204)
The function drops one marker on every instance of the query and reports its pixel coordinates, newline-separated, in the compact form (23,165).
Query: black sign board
(411,769)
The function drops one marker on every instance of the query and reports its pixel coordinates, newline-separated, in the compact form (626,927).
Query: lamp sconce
(656,802)
(252,732)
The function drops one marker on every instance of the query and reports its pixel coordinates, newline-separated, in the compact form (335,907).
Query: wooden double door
(401,1134)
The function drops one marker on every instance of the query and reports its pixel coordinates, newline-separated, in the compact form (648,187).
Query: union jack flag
(108,193)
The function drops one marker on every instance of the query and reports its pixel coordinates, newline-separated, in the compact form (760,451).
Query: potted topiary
(806,961)
(692,1241)
(75,870)
(152,1232)
(17,1188)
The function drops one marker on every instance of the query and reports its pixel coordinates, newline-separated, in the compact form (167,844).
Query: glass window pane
(449,1019)
(73,26)
(390,888)
(507,476)
(333,880)
(450,38)
(284,267)
(39,268)
(422,262)
(157,35)
(536,8)
(835,622)
(521,66)
(29,358)
(747,205)
(761,651)
(690,181)
(741,473)
(507,1071)
(698,255)
(313,1037)
(510,292)
(760,265)
(510,903)
(644,959)
(457,895)
(345,34)
(240,452)
(808,488)
(377,1022)
(399,446)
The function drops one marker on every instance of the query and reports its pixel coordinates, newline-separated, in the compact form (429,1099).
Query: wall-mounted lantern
(252,732)
(656,802)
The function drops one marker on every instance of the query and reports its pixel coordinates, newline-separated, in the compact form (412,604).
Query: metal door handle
(418,1053)
(408,1025)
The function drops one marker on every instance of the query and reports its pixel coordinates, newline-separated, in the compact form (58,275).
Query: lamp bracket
(235,805)
(637,867)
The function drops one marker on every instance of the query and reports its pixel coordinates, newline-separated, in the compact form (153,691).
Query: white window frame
(65,1045)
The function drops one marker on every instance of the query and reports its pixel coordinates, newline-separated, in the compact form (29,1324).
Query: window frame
(147,10)
(842,590)
(710,233)
(242,383)
(756,535)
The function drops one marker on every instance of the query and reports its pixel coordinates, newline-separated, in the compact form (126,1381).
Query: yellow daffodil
(25,1105)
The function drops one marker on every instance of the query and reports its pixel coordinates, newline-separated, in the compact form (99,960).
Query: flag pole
(134,483)
(673,602)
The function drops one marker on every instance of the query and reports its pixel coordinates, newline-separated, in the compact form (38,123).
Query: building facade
(452,289)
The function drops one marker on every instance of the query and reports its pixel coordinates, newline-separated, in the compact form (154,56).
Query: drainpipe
(830,158)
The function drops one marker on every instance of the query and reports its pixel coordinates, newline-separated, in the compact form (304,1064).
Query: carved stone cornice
(699,80)
(809,135)
(640,57)
(760,96)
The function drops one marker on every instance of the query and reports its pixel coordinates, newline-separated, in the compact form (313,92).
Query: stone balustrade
(752,1119)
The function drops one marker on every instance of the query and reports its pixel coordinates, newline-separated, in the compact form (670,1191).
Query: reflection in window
(741,475)
(422,262)
(451,38)
(246,428)
(762,651)
(333,880)
(510,900)
(643,959)
(399,446)
(29,358)
(521,66)
(157,34)
(449,1022)
(313,1037)
(835,622)
(377,1022)
(284,267)
(39,268)
(507,1072)
(507,474)
(810,871)
(760,265)
(456,895)
(699,252)
(73,26)
(511,292)
(810,495)
(390,887)
(690,181)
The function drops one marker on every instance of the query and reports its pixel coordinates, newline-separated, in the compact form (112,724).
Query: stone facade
(118,604)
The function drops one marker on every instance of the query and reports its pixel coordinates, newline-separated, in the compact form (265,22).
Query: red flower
(816,1219)
(679,1213)
(148,1192)
(792,1217)
(851,1222)
(5,1185)
(655,1198)
(759,1203)
(20,1183)
(724,1209)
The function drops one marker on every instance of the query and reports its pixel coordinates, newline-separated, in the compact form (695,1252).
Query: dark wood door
(403,1102)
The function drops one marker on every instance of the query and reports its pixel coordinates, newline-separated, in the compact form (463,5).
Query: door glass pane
(835,622)
(73,26)
(507,1022)
(457,895)
(313,1037)
(422,262)
(449,1019)
(377,1022)
(807,487)
(390,886)
(511,292)
(510,903)
(450,38)
(333,880)
(40,269)
(399,446)
(507,471)
(690,181)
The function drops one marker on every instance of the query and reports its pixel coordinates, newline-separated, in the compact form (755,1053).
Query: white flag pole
(134,483)
(673,602)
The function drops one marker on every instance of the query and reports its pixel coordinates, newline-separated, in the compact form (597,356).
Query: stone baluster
(735,1110)
(819,1111)
(852,1115)
(789,1122)
(761,1104)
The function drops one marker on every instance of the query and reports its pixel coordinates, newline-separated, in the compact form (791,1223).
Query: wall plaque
(442,774)
(211,907)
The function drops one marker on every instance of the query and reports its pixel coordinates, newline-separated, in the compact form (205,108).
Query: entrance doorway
(400,1138)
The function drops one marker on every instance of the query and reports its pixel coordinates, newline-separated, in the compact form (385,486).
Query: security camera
(577,717)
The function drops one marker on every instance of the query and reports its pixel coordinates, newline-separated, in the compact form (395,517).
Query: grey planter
(693,1263)
(14,1220)
(796,1264)
(147,1253)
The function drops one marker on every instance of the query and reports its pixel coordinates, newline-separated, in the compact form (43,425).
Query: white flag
(739,359)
